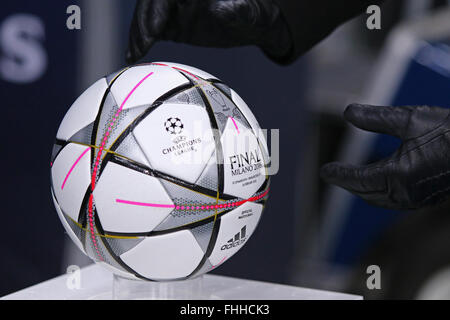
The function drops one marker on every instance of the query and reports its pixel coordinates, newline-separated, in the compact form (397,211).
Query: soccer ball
(159,172)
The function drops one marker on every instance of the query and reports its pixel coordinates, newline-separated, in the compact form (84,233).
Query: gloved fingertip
(356,105)
(353,110)
(134,53)
(328,172)
(129,57)
(339,174)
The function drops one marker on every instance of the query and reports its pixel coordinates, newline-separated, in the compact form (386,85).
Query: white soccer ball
(159,172)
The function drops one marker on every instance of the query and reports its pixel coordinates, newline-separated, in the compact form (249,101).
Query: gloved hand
(210,23)
(417,174)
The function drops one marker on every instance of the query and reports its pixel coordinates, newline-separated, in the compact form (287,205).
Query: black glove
(417,174)
(210,23)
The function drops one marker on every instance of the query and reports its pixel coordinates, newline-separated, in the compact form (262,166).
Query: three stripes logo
(237,240)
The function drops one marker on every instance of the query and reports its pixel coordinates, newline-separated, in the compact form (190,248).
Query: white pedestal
(96,283)
(126,289)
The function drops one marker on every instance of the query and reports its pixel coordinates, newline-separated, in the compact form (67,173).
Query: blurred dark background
(311,234)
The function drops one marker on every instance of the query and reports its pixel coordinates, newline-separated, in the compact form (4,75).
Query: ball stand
(128,289)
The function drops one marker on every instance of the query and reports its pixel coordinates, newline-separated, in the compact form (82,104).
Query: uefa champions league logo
(174,126)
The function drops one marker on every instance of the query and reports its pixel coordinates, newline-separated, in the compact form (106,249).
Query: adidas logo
(239,238)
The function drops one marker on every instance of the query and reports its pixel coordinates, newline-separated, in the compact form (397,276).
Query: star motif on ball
(174,125)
